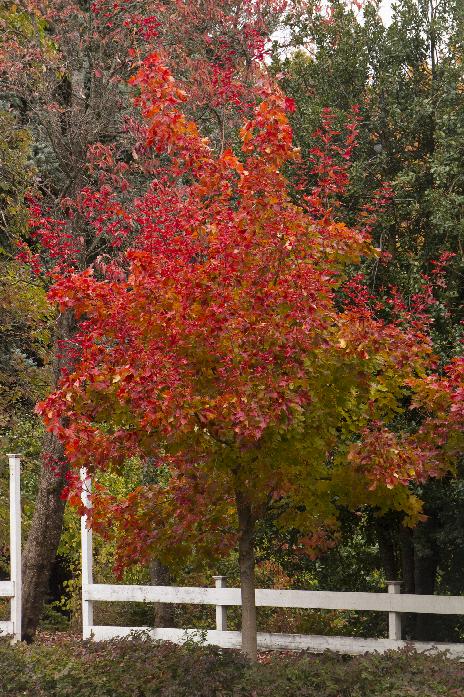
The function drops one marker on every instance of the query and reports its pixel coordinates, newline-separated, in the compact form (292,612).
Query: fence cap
(17,455)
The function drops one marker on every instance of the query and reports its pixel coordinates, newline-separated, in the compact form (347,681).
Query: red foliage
(222,351)
(216,50)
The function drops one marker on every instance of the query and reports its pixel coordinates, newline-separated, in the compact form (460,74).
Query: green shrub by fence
(136,668)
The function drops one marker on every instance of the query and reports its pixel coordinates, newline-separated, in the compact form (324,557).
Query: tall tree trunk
(47,521)
(426,558)
(407,559)
(163,612)
(407,576)
(44,537)
(383,528)
(246,554)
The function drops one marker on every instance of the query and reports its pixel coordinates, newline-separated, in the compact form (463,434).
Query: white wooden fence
(392,602)
(12,589)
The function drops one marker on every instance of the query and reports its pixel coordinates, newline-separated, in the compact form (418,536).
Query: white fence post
(394,618)
(87,554)
(15,542)
(221,610)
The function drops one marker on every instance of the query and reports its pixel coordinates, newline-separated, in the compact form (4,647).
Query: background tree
(24,312)
(23,337)
(408,81)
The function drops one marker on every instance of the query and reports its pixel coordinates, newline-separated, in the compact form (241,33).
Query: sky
(385,11)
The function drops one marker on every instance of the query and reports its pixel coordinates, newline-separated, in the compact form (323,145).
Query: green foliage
(408,80)
(14,179)
(24,311)
(140,669)
(103,560)
(24,437)
(25,319)
(24,343)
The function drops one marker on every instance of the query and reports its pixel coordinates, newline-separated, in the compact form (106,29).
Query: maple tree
(218,348)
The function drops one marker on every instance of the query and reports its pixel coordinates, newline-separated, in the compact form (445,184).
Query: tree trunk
(426,557)
(163,612)
(247,576)
(407,576)
(44,538)
(383,528)
(407,560)
(47,521)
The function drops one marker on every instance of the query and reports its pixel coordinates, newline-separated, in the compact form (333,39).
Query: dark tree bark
(247,575)
(406,545)
(426,558)
(407,559)
(47,521)
(44,538)
(387,548)
(163,615)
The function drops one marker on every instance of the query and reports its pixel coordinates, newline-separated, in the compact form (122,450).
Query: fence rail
(12,589)
(6,589)
(309,600)
(275,642)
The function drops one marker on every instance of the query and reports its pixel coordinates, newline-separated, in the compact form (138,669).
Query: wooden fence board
(318,600)
(6,589)
(6,628)
(266,641)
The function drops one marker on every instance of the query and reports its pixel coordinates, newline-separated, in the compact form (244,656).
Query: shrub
(69,668)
